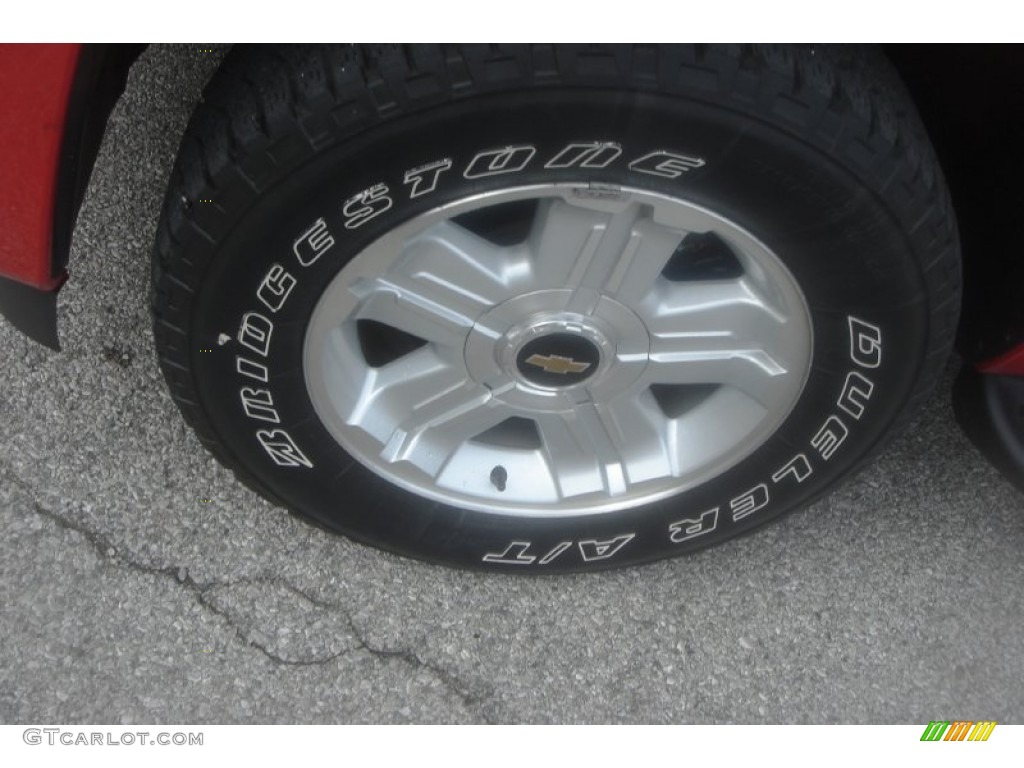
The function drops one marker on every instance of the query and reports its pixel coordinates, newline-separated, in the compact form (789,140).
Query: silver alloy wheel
(566,374)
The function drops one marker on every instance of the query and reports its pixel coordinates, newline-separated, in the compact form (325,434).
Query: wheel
(543,309)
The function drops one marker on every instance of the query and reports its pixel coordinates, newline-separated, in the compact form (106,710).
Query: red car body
(36,81)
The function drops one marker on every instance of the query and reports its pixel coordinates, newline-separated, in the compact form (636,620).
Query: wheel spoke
(720,333)
(616,248)
(640,430)
(433,432)
(463,263)
(422,408)
(578,246)
(389,393)
(571,459)
(424,309)
(444,280)
(604,448)
(650,247)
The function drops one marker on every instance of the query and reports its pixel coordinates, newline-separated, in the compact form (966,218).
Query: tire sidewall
(858,270)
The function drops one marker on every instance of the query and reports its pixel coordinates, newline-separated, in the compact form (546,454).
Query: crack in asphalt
(200,592)
(203,592)
(470,701)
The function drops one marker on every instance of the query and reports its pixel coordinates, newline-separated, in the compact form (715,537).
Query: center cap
(558,360)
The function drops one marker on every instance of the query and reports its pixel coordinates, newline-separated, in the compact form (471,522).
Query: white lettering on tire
(592,549)
(255,333)
(855,395)
(669,165)
(251,369)
(423,180)
(594,154)
(685,530)
(555,552)
(313,243)
(514,554)
(799,467)
(275,288)
(366,205)
(749,502)
(259,404)
(865,343)
(495,162)
(282,449)
(518,552)
(831,435)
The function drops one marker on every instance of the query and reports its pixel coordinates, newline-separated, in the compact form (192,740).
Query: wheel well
(971,99)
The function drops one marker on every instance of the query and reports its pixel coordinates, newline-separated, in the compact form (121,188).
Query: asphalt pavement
(140,583)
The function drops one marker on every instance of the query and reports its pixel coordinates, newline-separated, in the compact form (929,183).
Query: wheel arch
(971,100)
(59,99)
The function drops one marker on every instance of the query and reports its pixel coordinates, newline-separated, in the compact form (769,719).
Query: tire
(543,309)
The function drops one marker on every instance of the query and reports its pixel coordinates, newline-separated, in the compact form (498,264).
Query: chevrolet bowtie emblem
(557,364)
